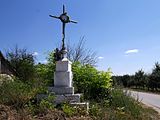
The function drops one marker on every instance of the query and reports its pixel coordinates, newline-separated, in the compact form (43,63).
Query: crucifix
(64,19)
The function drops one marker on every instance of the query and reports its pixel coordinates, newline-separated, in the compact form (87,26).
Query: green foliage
(154,81)
(16,93)
(22,62)
(124,103)
(125,80)
(6,78)
(41,70)
(45,72)
(121,106)
(140,80)
(73,110)
(95,110)
(68,110)
(92,83)
(51,65)
(47,103)
(42,107)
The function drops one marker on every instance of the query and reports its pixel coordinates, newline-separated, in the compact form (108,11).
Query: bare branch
(81,54)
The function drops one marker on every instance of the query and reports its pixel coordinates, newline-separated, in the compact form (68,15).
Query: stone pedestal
(63,88)
(63,78)
(63,74)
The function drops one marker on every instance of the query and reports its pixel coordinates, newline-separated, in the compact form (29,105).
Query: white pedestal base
(61,90)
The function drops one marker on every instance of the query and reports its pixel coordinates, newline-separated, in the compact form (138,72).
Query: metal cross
(64,19)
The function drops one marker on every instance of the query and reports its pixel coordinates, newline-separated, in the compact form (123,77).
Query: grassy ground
(7,113)
(150,111)
(119,107)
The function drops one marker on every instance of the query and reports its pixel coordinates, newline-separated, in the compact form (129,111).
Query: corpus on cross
(64,19)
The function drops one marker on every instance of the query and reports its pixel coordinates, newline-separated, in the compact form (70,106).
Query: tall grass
(121,106)
(123,102)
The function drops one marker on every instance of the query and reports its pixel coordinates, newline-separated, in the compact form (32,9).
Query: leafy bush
(45,72)
(6,78)
(16,93)
(68,110)
(92,83)
(47,103)
(41,107)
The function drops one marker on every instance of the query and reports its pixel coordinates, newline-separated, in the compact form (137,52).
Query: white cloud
(35,54)
(132,51)
(44,62)
(100,57)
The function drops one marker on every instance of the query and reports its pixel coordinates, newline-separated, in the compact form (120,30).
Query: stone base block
(75,98)
(67,98)
(61,90)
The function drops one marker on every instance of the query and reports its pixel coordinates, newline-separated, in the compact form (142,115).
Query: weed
(68,110)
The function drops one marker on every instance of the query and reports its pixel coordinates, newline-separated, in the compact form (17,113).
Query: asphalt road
(149,99)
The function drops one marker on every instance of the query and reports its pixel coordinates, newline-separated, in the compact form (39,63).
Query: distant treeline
(140,80)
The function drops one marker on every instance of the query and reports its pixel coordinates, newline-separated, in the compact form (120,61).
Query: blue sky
(124,33)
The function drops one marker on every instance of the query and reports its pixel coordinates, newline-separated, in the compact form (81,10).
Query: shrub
(95,110)
(45,72)
(16,93)
(41,107)
(68,110)
(47,103)
(92,83)
(6,78)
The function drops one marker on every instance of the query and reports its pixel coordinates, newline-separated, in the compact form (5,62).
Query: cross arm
(73,21)
(54,16)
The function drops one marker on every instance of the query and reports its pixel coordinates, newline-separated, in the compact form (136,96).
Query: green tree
(23,63)
(131,81)
(154,82)
(139,78)
(147,79)
(125,80)
(117,80)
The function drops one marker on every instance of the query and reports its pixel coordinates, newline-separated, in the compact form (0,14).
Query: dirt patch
(7,113)
(59,115)
(51,115)
(154,114)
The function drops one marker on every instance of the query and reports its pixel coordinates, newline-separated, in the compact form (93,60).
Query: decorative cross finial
(64,19)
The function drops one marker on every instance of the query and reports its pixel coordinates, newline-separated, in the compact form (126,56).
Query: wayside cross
(64,19)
